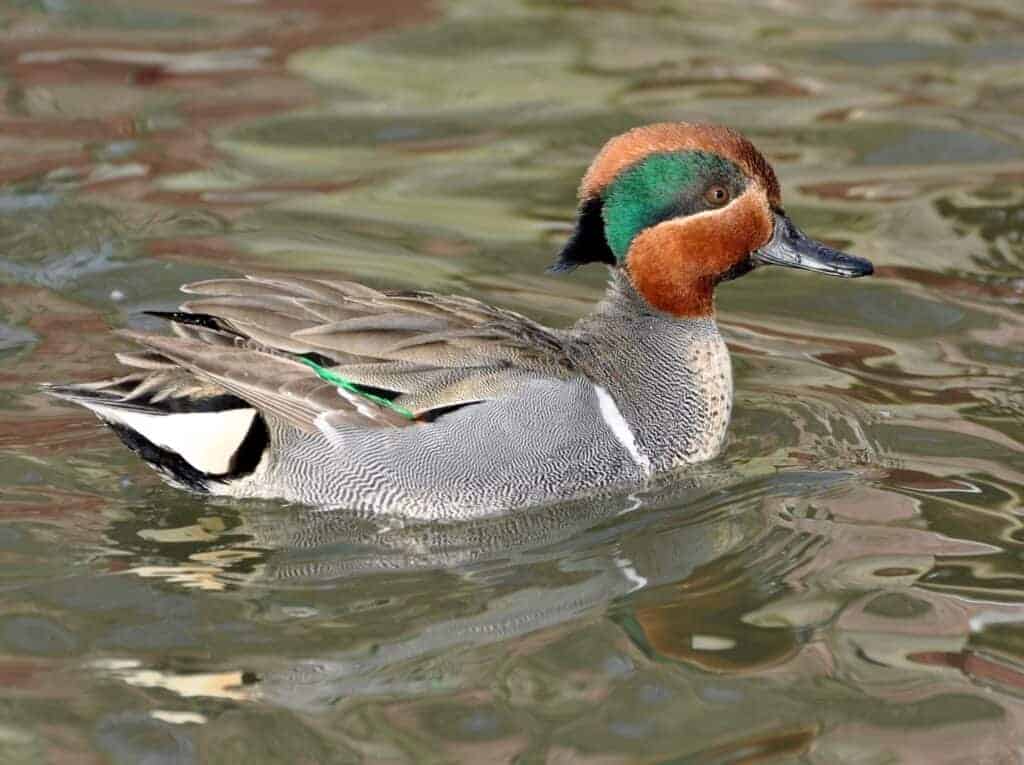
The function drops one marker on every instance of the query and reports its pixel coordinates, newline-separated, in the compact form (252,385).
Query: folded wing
(281,344)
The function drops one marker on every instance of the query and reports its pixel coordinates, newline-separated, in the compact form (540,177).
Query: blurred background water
(844,585)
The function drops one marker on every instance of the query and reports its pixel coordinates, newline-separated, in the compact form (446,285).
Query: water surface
(843,585)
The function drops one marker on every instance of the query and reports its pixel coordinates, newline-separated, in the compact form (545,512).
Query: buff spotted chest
(442,407)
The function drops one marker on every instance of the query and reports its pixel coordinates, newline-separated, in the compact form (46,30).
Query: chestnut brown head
(683,207)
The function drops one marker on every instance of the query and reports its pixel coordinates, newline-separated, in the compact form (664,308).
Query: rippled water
(844,585)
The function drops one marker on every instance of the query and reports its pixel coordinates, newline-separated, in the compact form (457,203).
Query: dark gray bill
(790,247)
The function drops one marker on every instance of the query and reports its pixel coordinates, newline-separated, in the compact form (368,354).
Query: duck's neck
(670,377)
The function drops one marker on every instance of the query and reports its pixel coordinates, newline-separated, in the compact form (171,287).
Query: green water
(844,585)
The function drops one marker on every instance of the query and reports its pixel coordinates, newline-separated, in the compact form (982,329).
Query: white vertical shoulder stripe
(620,428)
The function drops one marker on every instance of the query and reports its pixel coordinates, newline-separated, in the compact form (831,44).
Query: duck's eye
(716,196)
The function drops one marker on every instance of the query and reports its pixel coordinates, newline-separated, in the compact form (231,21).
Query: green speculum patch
(662,186)
(329,375)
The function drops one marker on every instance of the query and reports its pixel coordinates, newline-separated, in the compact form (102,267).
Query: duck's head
(682,207)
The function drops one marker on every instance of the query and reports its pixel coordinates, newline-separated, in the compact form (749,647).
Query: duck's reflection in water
(605,623)
(466,586)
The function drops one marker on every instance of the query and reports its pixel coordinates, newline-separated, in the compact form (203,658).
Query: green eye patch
(663,186)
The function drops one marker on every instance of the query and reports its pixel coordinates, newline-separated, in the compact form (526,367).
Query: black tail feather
(204,320)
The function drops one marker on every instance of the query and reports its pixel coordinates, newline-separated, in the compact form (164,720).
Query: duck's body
(333,394)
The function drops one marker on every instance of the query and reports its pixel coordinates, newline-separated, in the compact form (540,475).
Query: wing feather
(257,334)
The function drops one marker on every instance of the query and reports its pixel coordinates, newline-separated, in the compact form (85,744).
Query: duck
(331,393)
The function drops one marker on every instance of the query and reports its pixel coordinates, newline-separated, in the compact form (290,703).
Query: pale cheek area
(675,264)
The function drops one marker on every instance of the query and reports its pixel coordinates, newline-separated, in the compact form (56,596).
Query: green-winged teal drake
(334,394)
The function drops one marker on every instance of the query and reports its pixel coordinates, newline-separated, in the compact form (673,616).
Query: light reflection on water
(843,585)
